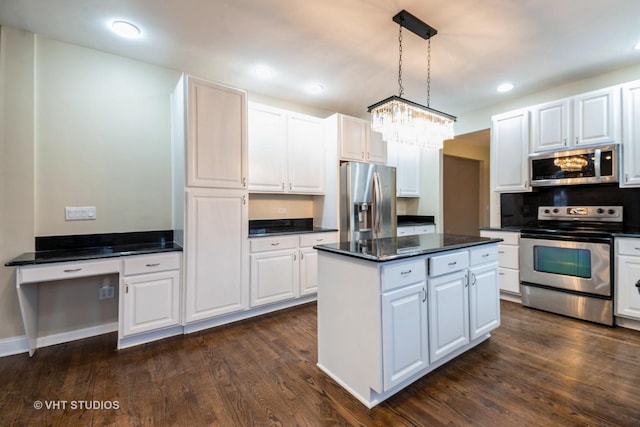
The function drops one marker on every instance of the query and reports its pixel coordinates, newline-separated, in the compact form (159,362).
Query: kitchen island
(391,310)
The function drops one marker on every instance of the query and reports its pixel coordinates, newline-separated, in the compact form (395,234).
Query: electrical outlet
(75,213)
(107,292)
(282,210)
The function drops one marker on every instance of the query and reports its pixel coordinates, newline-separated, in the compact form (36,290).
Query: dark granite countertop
(52,249)
(394,248)
(279,227)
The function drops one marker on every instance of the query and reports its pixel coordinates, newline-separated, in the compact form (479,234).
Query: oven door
(572,265)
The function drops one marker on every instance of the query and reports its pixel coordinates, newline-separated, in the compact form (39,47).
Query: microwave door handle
(598,153)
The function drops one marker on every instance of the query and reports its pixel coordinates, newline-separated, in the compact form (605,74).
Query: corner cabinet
(286,151)
(216,135)
(510,152)
(631,135)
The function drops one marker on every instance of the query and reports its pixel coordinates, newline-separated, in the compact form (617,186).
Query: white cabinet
(596,117)
(627,278)
(508,259)
(484,292)
(151,297)
(216,253)
(448,314)
(510,151)
(286,151)
(412,230)
(216,135)
(631,135)
(356,141)
(550,125)
(285,267)
(406,159)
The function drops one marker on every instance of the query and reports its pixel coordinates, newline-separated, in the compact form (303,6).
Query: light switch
(77,213)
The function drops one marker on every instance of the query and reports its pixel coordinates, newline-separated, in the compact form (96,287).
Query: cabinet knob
(244,181)
(363,154)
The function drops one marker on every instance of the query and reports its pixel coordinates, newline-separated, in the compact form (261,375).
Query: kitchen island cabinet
(391,310)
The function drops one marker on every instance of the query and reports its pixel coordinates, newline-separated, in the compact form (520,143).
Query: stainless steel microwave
(589,165)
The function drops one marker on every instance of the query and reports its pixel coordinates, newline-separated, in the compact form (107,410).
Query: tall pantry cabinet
(209,130)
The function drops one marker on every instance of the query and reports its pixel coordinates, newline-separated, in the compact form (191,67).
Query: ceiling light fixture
(505,87)
(263,71)
(126,29)
(637,46)
(408,122)
(315,88)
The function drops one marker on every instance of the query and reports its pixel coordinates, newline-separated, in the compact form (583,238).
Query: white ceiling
(351,46)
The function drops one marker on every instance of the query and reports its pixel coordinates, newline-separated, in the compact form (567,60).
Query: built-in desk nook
(147,264)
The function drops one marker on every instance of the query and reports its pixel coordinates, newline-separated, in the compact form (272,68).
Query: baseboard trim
(78,334)
(13,345)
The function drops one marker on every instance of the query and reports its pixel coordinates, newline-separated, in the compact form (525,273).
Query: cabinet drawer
(425,229)
(30,274)
(484,253)
(403,273)
(509,256)
(151,263)
(508,237)
(318,239)
(628,246)
(442,264)
(405,231)
(509,280)
(262,244)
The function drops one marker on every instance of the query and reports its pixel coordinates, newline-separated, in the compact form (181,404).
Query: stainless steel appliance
(566,263)
(367,201)
(591,165)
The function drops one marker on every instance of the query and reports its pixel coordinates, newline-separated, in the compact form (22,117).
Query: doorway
(461,188)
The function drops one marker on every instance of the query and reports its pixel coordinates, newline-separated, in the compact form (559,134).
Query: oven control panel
(581,213)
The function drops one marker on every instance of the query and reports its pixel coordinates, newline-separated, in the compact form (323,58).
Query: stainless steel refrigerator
(367,201)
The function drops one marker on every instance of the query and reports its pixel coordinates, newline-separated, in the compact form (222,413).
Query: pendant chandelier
(406,122)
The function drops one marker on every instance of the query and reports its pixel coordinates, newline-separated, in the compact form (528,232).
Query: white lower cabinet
(285,267)
(484,299)
(151,297)
(508,259)
(627,278)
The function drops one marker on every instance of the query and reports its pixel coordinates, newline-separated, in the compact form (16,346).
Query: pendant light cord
(428,70)
(401,89)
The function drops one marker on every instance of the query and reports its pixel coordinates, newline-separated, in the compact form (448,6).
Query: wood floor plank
(537,369)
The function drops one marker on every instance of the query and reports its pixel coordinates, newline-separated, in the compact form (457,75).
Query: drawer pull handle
(485,255)
(638,284)
(405,272)
(275,244)
(72,270)
(501,274)
(451,264)
(637,249)
(155,264)
(500,252)
(319,240)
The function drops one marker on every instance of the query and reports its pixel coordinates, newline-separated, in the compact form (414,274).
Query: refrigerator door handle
(378,201)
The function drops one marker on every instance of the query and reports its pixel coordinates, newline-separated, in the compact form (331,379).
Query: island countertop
(394,248)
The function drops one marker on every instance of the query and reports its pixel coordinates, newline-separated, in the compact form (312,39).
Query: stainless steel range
(566,263)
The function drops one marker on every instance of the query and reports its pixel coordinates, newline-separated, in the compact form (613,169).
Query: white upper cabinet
(631,135)
(286,151)
(596,117)
(550,125)
(216,135)
(357,142)
(509,151)
(406,159)
(586,119)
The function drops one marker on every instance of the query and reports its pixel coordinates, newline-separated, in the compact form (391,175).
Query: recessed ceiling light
(125,29)
(505,87)
(315,88)
(637,46)
(263,71)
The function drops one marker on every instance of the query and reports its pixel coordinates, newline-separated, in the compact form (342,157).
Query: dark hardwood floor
(537,369)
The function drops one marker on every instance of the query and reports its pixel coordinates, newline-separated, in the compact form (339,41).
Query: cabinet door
(274,276)
(408,171)
(151,301)
(404,333)
(448,314)
(308,271)
(550,125)
(306,154)
(597,117)
(631,135)
(376,146)
(510,151)
(353,138)
(267,149)
(627,302)
(484,299)
(216,253)
(217,140)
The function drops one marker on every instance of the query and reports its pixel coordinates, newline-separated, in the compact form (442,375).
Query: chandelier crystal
(406,122)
